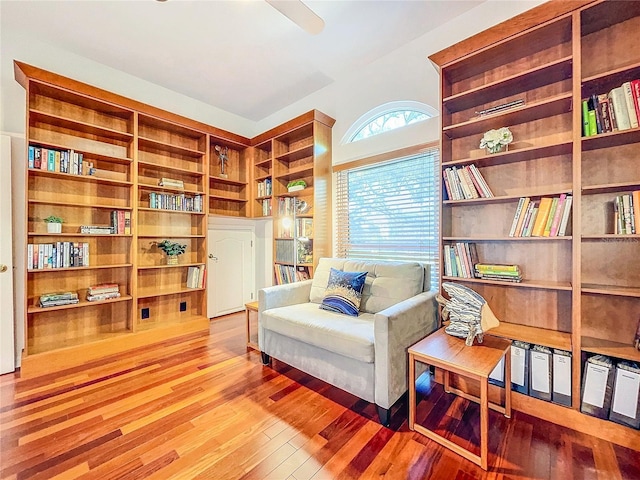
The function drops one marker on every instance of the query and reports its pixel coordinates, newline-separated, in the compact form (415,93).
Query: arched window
(388,117)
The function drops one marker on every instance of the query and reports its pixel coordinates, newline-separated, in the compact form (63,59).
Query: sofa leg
(266,359)
(385,415)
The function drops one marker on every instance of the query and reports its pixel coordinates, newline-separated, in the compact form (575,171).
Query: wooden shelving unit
(580,292)
(297,150)
(229,194)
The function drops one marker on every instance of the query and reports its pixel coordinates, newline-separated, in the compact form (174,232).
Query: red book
(121,221)
(635,93)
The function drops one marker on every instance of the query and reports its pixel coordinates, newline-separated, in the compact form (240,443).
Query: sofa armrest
(284,295)
(395,329)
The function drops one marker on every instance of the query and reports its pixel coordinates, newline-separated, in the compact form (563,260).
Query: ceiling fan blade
(299,14)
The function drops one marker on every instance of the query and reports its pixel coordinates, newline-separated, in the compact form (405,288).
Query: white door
(231,277)
(7,352)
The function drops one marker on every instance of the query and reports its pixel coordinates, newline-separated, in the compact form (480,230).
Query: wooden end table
(248,308)
(478,361)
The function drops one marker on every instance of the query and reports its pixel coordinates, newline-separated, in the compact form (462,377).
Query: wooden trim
(383,157)
(24,71)
(310,116)
(524,21)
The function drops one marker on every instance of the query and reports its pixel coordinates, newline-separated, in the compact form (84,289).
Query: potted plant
(496,140)
(54,224)
(172,249)
(295,185)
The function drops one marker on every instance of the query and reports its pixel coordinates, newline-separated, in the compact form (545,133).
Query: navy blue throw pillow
(344,292)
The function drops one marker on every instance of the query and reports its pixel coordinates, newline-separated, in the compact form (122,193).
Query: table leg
(447,381)
(484,422)
(507,384)
(412,391)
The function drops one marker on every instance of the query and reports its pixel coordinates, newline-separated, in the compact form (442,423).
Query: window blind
(389,210)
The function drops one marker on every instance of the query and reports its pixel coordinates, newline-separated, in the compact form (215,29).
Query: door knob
(212,257)
(3,268)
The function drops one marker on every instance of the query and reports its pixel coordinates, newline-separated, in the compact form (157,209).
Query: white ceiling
(242,56)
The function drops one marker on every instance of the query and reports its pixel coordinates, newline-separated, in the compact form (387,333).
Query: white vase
(53,227)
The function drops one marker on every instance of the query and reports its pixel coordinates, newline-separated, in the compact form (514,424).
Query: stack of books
(626,211)
(609,112)
(182,202)
(196,276)
(547,218)
(459,259)
(264,188)
(121,222)
(171,183)
(61,161)
(496,271)
(57,299)
(97,229)
(103,291)
(465,183)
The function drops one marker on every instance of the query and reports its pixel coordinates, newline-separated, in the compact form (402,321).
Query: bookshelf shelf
(79,178)
(534,335)
(557,105)
(621,291)
(91,267)
(168,147)
(580,292)
(553,191)
(226,181)
(535,77)
(613,349)
(180,265)
(78,127)
(78,204)
(296,154)
(544,285)
(227,199)
(173,235)
(151,293)
(514,155)
(169,168)
(80,304)
(65,234)
(89,340)
(611,187)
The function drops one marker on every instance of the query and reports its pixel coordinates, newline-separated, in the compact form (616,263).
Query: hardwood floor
(204,407)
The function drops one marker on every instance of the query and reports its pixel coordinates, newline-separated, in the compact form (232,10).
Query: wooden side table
(248,308)
(478,361)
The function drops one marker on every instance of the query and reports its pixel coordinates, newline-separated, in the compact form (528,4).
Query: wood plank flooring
(204,407)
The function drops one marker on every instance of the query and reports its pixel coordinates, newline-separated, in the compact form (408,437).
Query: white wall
(405,74)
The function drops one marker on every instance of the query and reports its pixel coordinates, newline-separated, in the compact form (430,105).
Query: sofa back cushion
(387,282)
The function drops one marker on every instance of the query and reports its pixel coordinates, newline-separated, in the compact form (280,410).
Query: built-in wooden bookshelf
(297,150)
(164,172)
(579,292)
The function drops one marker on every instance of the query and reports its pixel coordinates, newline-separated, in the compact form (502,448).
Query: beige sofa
(364,355)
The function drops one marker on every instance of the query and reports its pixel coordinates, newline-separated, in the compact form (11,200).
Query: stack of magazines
(495,271)
(57,299)
(104,291)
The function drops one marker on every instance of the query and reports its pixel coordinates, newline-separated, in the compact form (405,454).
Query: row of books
(464,183)
(265,188)
(459,259)
(196,276)
(286,206)
(180,202)
(626,208)
(303,227)
(103,291)
(121,222)
(266,207)
(58,299)
(547,218)
(63,161)
(609,112)
(57,255)
(288,274)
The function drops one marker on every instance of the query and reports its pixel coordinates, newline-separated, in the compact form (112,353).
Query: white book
(192,277)
(30,256)
(565,216)
(619,102)
(631,107)
(516,217)
(85,251)
(41,256)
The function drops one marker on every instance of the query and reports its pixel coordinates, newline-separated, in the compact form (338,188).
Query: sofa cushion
(341,334)
(387,282)
(344,292)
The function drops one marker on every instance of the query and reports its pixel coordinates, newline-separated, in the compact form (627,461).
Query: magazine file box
(625,403)
(540,372)
(520,367)
(561,377)
(597,386)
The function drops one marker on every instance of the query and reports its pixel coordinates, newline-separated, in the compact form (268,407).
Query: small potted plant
(54,224)
(172,249)
(296,185)
(496,140)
